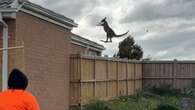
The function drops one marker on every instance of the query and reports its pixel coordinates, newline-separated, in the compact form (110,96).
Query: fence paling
(105,78)
(98,78)
(179,74)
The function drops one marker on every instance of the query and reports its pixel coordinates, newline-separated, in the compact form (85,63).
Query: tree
(128,49)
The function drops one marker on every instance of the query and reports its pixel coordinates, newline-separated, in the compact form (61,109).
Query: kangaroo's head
(103,22)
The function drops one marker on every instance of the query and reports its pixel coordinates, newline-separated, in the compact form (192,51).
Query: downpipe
(5,54)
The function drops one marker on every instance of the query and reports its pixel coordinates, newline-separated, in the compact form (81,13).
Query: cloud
(173,44)
(147,10)
(69,8)
(170,23)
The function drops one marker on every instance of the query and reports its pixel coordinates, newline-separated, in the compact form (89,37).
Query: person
(16,97)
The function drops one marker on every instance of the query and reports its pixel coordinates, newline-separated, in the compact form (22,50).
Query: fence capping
(104,58)
(131,61)
(170,61)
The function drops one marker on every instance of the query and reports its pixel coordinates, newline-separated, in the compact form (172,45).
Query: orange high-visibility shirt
(18,100)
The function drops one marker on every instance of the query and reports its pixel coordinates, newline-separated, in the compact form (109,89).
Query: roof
(78,40)
(5,3)
(27,4)
(38,11)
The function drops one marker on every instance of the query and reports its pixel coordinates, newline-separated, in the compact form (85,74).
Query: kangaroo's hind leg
(110,39)
(107,38)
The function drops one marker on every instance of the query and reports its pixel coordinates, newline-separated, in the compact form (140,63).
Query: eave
(47,15)
(78,40)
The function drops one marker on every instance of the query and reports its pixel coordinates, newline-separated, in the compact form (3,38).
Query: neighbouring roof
(38,11)
(78,40)
(5,3)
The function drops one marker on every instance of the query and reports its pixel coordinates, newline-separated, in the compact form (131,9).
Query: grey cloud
(177,44)
(149,11)
(94,19)
(77,9)
(170,19)
(70,8)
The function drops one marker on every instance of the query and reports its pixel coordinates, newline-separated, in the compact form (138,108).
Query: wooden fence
(178,74)
(106,78)
(102,78)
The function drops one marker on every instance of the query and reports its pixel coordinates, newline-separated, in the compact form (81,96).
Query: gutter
(47,15)
(5,54)
(76,39)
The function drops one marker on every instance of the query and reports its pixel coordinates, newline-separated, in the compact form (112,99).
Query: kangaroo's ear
(105,18)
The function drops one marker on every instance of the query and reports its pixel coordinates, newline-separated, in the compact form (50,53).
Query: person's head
(17,80)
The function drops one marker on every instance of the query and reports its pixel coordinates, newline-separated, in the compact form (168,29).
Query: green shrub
(97,105)
(165,90)
(189,92)
(146,93)
(193,83)
(125,98)
(166,107)
(134,103)
(151,98)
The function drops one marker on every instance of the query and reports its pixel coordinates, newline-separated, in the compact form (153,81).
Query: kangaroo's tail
(121,34)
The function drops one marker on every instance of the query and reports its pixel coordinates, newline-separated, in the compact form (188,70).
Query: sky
(170,24)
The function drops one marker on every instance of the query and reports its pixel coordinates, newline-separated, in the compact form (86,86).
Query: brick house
(81,45)
(46,43)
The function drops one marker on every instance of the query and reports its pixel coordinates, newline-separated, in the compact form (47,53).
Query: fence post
(134,78)
(174,73)
(127,87)
(142,79)
(107,79)
(117,72)
(94,76)
(81,70)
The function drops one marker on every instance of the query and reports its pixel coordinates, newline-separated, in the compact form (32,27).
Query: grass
(153,98)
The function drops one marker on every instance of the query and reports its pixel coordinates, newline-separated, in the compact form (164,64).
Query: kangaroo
(110,33)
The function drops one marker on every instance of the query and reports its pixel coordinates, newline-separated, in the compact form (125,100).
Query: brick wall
(76,49)
(46,53)
(12,53)
(44,58)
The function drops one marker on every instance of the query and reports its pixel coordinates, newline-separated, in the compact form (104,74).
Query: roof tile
(5,3)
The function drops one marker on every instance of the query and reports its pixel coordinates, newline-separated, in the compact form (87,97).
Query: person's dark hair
(17,80)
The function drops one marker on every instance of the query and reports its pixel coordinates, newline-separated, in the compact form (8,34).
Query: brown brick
(46,48)
(76,49)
